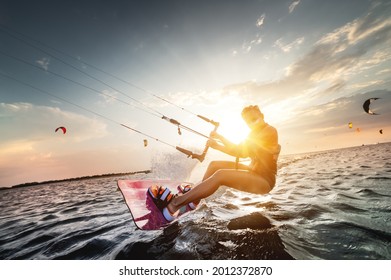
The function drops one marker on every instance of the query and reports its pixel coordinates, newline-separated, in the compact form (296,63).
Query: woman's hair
(253,108)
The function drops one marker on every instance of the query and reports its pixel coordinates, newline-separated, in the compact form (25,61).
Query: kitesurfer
(258,177)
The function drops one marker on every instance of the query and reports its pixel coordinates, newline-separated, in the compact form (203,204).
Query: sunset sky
(308,64)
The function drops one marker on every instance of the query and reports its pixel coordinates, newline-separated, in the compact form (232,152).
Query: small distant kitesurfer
(259,177)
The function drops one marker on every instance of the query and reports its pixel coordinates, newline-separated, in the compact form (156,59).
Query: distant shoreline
(29,184)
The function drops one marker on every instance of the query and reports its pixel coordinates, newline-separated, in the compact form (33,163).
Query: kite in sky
(366,105)
(64,130)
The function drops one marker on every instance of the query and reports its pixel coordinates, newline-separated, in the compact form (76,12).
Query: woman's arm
(225,145)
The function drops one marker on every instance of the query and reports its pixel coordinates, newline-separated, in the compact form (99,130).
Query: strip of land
(79,178)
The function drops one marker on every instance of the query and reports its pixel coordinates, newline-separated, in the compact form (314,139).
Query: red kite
(64,130)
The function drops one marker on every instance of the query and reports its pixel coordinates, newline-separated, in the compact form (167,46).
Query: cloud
(288,47)
(248,46)
(293,6)
(333,62)
(367,31)
(367,84)
(109,97)
(44,63)
(260,20)
(383,71)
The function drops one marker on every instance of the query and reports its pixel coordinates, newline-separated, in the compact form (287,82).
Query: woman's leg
(217,165)
(241,180)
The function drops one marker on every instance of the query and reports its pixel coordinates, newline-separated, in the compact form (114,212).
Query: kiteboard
(146,215)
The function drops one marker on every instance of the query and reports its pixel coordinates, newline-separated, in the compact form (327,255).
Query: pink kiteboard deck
(145,214)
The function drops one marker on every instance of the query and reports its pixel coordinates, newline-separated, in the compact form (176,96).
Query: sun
(233,128)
